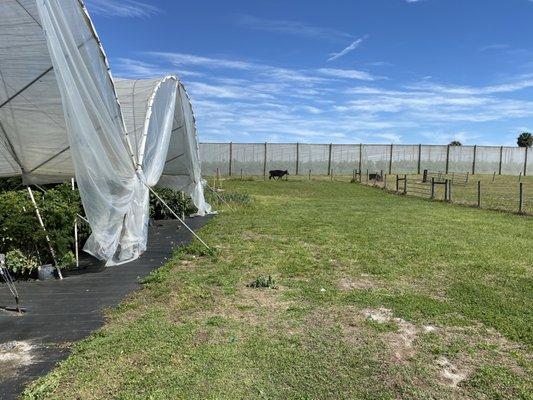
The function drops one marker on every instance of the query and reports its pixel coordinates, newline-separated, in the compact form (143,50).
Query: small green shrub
(263,282)
(19,263)
(20,229)
(178,202)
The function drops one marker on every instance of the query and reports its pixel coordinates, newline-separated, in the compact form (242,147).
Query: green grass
(497,192)
(377,296)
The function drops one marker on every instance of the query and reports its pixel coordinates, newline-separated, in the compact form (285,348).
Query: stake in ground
(377,296)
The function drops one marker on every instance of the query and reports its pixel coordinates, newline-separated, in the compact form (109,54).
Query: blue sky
(341,71)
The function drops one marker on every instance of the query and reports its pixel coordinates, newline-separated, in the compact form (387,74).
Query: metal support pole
(419,158)
(52,252)
(390,158)
(447,159)
(176,216)
(360,160)
(329,159)
(501,160)
(474,161)
(265,163)
(297,158)
(76,248)
(230,158)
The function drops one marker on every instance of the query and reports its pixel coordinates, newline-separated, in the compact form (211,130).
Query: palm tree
(525,140)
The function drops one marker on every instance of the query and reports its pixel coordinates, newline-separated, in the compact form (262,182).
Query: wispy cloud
(180,59)
(122,8)
(130,68)
(241,99)
(492,47)
(347,73)
(354,45)
(291,28)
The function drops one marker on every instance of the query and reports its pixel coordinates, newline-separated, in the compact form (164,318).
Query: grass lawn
(376,296)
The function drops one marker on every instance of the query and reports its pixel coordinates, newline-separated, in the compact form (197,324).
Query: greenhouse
(62,116)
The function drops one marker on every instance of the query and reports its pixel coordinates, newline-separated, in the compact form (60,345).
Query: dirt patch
(15,355)
(363,282)
(450,374)
(400,342)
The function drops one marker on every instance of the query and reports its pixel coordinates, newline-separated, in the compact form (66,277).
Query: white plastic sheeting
(160,123)
(60,117)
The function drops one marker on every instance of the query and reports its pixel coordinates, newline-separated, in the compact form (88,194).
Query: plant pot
(46,272)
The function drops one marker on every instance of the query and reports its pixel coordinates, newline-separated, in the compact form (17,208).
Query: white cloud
(355,44)
(291,27)
(347,73)
(121,8)
(236,99)
(180,59)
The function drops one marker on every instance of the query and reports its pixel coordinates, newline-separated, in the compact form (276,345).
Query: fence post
(265,163)
(474,161)
(230,157)
(405,184)
(450,191)
(432,187)
(521,198)
(397,183)
(360,159)
(297,158)
(479,194)
(390,158)
(385,182)
(419,158)
(329,159)
(501,159)
(525,160)
(447,159)
(446,189)
(309,174)
(367,177)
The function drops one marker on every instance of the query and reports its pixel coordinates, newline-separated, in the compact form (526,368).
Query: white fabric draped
(60,116)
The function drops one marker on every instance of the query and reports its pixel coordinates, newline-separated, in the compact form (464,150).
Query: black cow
(374,177)
(278,174)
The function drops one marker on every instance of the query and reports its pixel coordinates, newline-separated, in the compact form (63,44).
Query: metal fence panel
(281,156)
(314,158)
(248,158)
(344,158)
(513,159)
(433,158)
(376,157)
(321,159)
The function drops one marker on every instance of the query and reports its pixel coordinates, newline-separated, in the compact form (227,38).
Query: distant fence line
(326,159)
